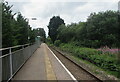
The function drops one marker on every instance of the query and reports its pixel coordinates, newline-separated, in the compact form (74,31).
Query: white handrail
(13,47)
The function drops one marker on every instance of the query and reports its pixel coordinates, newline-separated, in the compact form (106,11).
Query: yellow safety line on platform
(49,69)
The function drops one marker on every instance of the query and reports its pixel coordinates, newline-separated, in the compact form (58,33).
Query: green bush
(57,43)
(105,61)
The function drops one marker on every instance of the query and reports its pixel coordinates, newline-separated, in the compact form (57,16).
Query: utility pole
(0,40)
(119,6)
(28,27)
(119,26)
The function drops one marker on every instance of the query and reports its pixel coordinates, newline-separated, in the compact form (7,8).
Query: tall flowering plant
(109,50)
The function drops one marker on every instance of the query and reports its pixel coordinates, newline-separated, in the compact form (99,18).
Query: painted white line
(63,66)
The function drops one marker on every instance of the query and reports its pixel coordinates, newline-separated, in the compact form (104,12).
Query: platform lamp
(29,26)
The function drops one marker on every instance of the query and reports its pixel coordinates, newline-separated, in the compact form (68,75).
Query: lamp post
(29,26)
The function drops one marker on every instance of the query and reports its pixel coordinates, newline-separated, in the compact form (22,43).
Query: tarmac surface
(43,65)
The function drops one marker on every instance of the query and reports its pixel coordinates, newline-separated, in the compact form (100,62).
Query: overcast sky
(72,11)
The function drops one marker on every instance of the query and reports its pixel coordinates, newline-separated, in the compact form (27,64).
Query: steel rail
(78,65)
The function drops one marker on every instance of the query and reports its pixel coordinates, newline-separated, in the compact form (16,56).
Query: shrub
(57,43)
(104,61)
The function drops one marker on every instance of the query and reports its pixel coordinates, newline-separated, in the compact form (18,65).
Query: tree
(22,29)
(14,31)
(104,28)
(7,25)
(66,33)
(100,29)
(54,24)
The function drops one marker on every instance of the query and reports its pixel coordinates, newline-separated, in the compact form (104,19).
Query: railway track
(78,72)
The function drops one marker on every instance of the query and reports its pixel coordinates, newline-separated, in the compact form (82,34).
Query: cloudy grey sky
(72,11)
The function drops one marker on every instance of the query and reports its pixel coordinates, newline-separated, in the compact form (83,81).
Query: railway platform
(43,65)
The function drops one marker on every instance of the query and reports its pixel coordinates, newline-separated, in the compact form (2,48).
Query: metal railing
(14,59)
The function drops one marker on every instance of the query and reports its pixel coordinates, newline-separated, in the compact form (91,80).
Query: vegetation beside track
(106,61)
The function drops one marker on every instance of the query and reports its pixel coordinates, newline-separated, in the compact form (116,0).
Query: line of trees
(100,29)
(16,30)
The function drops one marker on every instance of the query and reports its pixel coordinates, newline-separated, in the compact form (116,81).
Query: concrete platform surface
(42,65)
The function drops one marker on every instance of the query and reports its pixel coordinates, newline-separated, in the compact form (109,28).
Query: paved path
(42,65)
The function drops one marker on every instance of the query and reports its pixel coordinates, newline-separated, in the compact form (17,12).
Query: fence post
(0,67)
(11,69)
(22,46)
